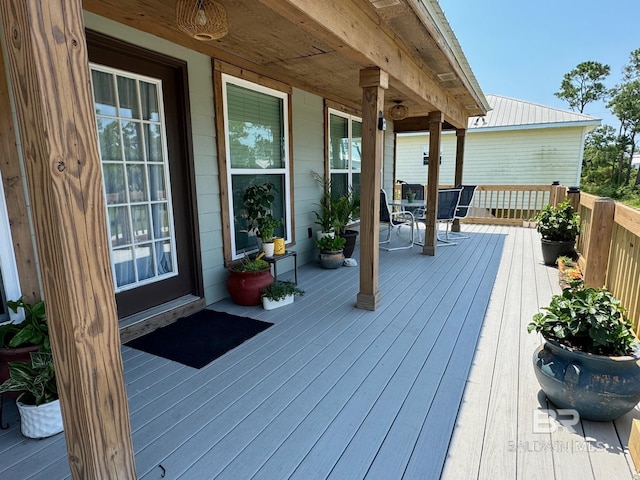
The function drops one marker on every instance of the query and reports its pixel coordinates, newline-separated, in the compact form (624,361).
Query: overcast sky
(522,49)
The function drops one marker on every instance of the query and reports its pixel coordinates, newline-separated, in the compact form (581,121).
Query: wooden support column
(433,180)
(599,242)
(460,138)
(15,197)
(51,86)
(373,82)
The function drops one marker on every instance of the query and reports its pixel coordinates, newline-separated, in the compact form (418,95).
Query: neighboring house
(515,143)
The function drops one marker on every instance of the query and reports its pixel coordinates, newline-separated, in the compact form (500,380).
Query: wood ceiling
(273,38)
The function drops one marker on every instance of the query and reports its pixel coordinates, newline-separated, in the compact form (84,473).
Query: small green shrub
(279,290)
(588,319)
(33,330)
(331,243)
(36,378)
(561,223)
(246,264)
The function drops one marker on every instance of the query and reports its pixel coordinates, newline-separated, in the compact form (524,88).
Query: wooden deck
(436,383)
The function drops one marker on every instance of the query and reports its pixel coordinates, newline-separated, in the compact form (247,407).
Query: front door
(142,120)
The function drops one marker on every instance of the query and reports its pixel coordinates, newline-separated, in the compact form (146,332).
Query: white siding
(510,157)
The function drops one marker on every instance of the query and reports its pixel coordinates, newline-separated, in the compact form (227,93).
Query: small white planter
(40,421)
(269,304)
(268,249)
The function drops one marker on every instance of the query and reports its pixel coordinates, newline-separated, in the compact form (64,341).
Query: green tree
(584,84)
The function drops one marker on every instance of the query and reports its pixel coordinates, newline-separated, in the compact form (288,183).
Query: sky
(522,49)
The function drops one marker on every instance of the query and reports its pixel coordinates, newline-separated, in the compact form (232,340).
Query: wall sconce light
(204,20)
(398,111)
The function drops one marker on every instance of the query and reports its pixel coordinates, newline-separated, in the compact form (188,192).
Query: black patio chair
(447,204)
(464,207)
(395,220)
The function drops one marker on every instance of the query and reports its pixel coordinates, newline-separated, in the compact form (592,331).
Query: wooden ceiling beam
(343,25)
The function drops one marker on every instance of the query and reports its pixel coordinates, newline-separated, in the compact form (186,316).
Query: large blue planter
(599,387)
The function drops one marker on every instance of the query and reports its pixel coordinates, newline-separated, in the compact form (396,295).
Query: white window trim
(349,170)
(8,265)
(162,122)
(228,79)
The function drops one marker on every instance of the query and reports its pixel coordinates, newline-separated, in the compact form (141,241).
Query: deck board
(435,383)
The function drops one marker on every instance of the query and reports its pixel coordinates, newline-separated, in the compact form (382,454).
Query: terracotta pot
(244,287)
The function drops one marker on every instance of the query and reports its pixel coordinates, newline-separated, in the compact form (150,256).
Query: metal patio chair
(447,204)
(395,220)
(464,207)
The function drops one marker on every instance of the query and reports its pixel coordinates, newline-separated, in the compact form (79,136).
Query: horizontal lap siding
(510,157)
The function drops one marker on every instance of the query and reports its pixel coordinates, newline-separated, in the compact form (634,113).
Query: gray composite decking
(437,382)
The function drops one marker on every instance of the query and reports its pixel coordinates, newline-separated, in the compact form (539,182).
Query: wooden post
(573,194)
(51,86)
(373,82)
(433,181)
(15,196)
(558,194)
(599,242)
(460,138)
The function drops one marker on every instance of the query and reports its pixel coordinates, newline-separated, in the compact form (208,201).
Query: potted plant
(345,208)
(38,403)
(589,360)
(279,294)
(18,340)
(247,277)
(324,217)
(258,200)
(331,255)
(559,227)
(266,229)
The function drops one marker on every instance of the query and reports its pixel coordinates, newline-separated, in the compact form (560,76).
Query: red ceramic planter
(244,287)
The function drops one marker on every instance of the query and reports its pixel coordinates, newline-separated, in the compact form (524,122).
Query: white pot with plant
(279,294)
(258,200)
(38,405)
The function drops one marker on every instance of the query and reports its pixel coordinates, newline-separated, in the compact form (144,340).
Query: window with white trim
(135,169)
(256,122)
(345,151)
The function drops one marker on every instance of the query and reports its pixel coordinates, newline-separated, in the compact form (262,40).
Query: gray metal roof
(509,113)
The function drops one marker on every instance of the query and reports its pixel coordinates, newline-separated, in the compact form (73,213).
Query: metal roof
(509,113)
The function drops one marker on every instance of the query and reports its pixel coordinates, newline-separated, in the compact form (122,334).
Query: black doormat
(200,338)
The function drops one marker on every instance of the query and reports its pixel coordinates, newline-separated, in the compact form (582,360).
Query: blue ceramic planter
(599,387)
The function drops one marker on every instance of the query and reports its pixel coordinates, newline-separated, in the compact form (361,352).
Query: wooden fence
(609,245)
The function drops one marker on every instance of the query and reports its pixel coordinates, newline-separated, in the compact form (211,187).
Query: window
(133,153)
(345,151)
(257,132)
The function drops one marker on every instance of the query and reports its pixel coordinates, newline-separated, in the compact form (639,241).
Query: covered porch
(437,382)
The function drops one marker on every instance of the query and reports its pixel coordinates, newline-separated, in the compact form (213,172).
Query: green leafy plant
(345,208)
(559,223)
(331,243)
(36,379)
(246,264)
(279,290)
(267,226)
(258,200)
(324,217)
(588,319)
(31,331)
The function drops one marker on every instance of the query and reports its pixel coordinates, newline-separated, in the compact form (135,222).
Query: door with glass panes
(141,116)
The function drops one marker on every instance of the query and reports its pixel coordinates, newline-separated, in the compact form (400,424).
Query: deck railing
(503,204)
(609,244)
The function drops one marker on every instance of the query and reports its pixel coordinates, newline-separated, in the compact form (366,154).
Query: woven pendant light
(204,20)
(398,111)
